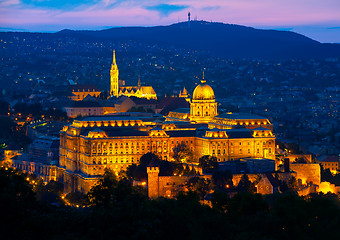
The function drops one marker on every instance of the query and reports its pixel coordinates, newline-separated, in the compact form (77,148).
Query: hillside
(220,39)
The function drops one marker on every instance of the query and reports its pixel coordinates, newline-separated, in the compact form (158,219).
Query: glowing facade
(203,106)
(114,73)
(79,92)
(90,145)
(118,89)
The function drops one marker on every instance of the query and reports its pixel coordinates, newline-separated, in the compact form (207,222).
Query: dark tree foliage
(104,95)
(199,185)
(183,154)
(76,198)
(4,108)
(26,109)
(223,180)
(300,160)
(208,163)
(117,210)
(10,132)
(109,192)
(186,171)
(16,197)
(327,176)
(7,127)
(245,185)
(220,201)
(139,172)
(55,114)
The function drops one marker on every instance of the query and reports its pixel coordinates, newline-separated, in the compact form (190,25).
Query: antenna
(188,19)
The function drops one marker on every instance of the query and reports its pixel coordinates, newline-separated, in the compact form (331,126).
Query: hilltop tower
(189,19)
(114,88)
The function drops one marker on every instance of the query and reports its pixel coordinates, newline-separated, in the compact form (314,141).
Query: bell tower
(114,88)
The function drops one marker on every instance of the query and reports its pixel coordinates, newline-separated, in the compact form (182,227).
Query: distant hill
(225,40)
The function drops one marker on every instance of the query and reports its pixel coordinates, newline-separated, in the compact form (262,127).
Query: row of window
(240,151)
(115,161)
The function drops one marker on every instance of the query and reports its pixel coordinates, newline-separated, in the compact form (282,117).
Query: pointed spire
(185,91)
(114,58)
(139,81)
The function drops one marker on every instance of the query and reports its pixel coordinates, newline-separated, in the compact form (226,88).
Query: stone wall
(307,172)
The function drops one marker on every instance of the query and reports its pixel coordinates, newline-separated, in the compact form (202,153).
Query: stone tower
(153,182)
(114,88)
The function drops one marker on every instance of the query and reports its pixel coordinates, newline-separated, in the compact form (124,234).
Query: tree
(200,185)
(292,184)
(4,108)
(56,114)
(178,169)
(220,201)
(16,194)
(103,194)
(104,95)
(186,171)
(110,192)
(246,203)
(75,198)
(183,154)
(139,172)
(245,185)
(300,160)
(208,163)
(7,127)
(223,180)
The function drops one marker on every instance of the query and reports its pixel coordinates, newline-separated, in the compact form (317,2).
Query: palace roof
(239,116)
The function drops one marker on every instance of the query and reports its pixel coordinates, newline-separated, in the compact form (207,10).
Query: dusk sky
(317,19)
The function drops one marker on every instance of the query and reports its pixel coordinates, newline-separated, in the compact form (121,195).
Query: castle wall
(307,172)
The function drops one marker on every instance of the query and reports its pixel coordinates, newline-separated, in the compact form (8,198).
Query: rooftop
(239,116)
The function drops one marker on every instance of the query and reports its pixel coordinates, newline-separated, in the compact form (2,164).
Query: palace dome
(203,92)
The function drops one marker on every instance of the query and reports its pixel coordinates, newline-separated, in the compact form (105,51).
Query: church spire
(114,58)
(114,88)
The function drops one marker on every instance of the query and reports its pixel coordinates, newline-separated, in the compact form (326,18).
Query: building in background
(118,87)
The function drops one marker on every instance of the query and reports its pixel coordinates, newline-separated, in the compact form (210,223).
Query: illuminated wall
(90,145)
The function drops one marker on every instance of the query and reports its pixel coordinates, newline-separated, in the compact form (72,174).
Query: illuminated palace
(91,144)
(118,87)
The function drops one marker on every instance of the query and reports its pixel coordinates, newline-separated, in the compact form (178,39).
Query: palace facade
(91,144)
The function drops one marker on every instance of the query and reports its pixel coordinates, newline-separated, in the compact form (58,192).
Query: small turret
(139,85)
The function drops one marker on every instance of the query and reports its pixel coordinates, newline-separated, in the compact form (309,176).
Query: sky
(317,19)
